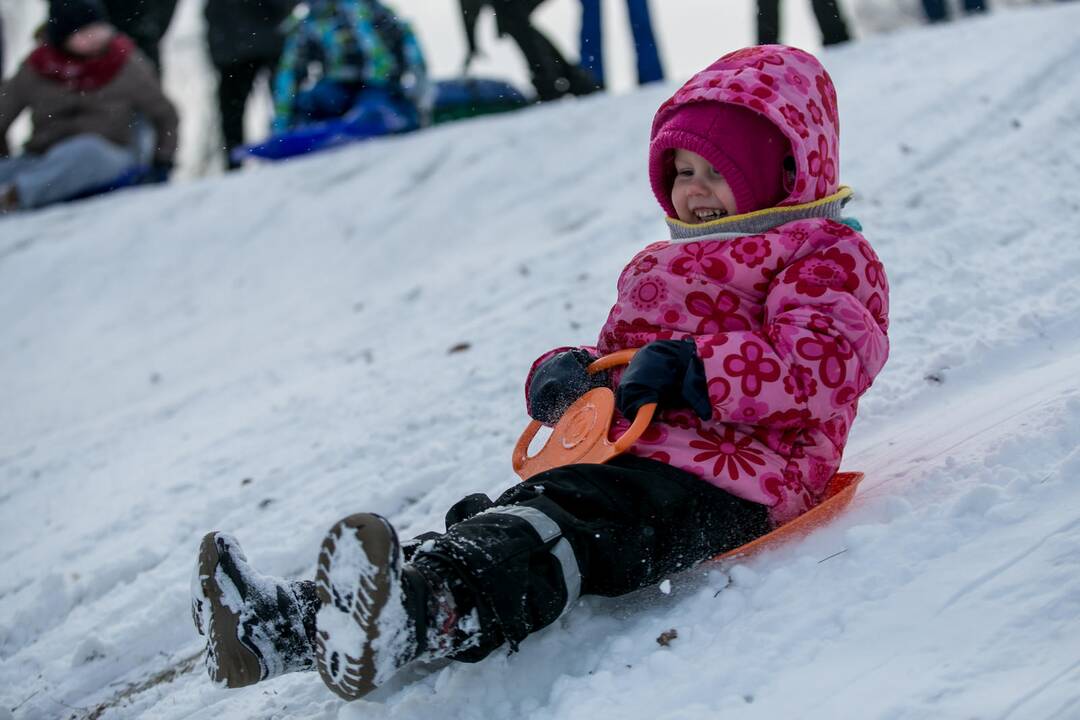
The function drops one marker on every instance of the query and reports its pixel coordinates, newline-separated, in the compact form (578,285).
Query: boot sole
(358,580)
(228,661)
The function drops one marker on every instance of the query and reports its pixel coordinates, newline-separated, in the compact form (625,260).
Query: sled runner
(581,436)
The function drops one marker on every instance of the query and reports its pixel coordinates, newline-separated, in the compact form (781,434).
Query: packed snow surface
(267,352)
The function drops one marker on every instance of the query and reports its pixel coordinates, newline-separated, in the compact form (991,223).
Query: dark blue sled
(138,175)
(377,114)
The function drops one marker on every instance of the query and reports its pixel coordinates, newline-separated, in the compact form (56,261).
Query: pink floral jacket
(788,307)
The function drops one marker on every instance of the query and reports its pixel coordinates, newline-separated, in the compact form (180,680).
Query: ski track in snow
(266,353)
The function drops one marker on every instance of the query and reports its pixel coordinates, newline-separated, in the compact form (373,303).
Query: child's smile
(699,193)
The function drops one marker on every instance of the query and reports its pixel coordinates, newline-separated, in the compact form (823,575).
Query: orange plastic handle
(645,412)
(581,434)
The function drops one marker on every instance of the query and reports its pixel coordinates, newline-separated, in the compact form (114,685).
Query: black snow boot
(256,626)
(378,613)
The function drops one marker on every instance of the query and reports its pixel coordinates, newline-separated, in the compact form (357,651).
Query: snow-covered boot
(377,613)
(256,626)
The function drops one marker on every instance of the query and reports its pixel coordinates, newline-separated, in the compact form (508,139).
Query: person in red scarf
(85,86)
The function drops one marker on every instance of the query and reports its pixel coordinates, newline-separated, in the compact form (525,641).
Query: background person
(552,74)
(361,49)
(834,28)
(145,22)
(245,38)
(84,84)
(649,68)
(938,11)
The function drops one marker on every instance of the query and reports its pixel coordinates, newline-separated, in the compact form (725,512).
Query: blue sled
(137,175)
(377,114)
(374,115)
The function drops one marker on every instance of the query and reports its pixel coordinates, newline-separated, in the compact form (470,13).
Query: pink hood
(790,88)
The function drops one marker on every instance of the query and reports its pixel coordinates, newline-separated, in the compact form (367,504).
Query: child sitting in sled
(84,84)
(759,325)
(343,54)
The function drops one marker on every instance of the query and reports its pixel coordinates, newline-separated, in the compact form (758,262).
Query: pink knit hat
(743,146)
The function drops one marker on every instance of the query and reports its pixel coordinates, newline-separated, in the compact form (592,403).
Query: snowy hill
(267,352)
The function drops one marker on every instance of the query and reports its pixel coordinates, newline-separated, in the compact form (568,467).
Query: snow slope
(267,352)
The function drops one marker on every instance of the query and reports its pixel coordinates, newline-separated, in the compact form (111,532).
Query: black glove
(668,372)
(559,381)
(158,173)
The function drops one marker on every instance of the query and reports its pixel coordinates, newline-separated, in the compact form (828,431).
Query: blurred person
(84,84)
(938,11)
(245,39)
(649,68)
(552,74)
(145,22)
(834,29)
(344,52)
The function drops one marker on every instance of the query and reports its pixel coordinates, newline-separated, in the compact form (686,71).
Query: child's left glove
(668,372)
(559,381)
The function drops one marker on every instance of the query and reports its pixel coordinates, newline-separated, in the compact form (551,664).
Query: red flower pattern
(644,264)
(800,383)
(647,293)
(828,96)
(831,270)
(831,355)
(718,314)
(753,367)
(730,454)
(750,250)
(822,166)
(701,259)
(796,120)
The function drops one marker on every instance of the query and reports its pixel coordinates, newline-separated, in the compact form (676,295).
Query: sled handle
(645,412)
(641,421)
(615,359)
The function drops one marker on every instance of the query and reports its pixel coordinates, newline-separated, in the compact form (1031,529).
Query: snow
(267,352)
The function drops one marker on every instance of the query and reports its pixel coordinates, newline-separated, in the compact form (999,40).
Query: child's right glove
(559,381)
(668,372)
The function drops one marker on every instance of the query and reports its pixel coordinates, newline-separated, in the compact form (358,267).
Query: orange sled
(581,436)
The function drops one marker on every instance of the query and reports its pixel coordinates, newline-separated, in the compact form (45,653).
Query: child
(362,49)
(84,85)
(759,326)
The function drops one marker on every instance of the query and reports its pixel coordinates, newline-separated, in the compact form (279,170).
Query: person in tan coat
(85,86)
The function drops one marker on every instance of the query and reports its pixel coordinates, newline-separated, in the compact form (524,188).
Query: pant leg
(70,168)
(592,40)
(585,530)
(833,26)
(973,6)
(552,75)
(234,86)
(768,22)
(935,10)
(649,68)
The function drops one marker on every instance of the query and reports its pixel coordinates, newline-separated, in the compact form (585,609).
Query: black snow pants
(552,74)
(582,530)
(235,83)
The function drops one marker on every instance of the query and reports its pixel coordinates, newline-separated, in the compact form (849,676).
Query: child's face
(700,194)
